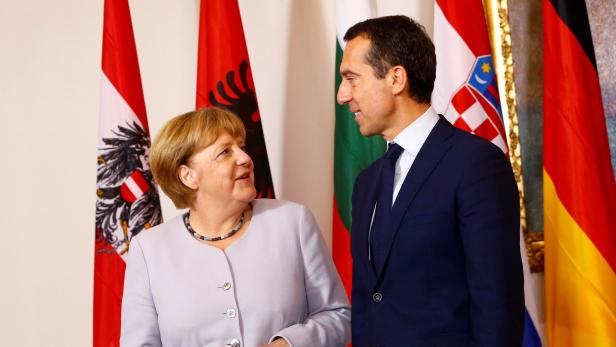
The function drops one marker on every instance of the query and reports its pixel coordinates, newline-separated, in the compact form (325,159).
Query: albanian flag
(224,79)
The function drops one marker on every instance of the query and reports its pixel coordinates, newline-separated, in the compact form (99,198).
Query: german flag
(579,188)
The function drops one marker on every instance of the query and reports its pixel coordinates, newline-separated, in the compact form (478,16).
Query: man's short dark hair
(399,40)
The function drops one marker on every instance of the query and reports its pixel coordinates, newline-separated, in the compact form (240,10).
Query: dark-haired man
(435,221)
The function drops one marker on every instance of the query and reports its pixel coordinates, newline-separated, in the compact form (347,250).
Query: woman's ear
(188,177)
(397,79)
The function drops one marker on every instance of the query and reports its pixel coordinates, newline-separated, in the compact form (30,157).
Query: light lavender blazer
(278,279)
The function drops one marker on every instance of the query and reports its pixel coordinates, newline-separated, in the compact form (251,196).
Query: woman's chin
(247,194)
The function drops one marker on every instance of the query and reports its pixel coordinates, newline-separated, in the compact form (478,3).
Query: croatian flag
(466,93)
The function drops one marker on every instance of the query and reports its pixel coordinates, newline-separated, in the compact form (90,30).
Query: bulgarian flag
(127,200)
(579,191)
(466,93)
(224,79)
(352,151)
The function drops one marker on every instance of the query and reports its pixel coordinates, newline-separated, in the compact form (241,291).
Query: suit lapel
(365,218)
(428,157)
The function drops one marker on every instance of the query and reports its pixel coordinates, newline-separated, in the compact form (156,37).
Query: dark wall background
(527,45)
(602,15)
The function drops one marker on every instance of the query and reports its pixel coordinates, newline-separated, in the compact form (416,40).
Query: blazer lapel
(428,157)
(365,211)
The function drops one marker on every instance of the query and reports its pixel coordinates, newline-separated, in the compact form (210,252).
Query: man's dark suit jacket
(453,273)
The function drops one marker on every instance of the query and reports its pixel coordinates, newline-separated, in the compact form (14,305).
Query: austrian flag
(127,201)
(134,187)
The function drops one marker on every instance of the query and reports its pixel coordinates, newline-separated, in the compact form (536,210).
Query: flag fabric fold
(466,93)
(352,151)
(579,188)
(127,200)
(224,79)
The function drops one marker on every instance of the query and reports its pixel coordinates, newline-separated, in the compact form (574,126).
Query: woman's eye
(223,152)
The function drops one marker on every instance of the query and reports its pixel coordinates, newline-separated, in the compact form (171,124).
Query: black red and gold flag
(579,187)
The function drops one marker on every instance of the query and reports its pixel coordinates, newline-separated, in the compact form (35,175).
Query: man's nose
(344,95)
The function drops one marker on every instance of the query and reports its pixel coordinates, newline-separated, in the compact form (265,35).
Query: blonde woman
(233,270)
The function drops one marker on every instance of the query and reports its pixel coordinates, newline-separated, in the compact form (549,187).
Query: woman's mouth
(243,176)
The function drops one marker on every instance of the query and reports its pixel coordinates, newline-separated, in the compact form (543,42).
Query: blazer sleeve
(329,316)
(489,218)
(139,317)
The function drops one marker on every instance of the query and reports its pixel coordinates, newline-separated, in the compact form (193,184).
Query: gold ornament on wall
(500,38)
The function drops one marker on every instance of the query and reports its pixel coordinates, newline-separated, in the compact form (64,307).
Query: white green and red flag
(466,93)
(352,151)
(127,201)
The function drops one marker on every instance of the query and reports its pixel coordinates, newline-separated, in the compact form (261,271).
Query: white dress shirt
(412,139)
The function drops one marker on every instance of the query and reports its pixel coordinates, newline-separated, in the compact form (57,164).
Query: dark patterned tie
(382,216)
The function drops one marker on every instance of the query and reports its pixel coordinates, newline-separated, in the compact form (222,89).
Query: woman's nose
(243,157)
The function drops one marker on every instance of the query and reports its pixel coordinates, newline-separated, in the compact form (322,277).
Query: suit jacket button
(377,297)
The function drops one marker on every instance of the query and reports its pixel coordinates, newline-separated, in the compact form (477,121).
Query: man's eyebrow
(348,73)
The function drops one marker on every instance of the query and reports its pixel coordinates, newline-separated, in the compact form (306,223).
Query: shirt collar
(416,133)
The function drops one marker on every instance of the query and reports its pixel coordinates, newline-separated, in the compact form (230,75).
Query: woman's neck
(216,220)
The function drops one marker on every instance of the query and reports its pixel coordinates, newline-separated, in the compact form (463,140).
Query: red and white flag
(465,90)
(127,201)
(224,79)
(466,93)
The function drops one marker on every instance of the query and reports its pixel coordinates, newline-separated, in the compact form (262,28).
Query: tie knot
(393,151)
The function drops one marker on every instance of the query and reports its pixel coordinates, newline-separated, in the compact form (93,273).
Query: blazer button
(231,313)
(377,297)
(226,286)
(234,343)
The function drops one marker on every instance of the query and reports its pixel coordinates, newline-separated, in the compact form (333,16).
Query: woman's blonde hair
(179,139)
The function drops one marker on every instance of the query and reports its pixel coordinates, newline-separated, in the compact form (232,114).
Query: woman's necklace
(190,229)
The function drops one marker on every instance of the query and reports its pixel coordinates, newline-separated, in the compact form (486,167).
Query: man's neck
(407,111)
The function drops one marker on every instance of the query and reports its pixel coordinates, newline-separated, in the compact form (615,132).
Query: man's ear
(188,177)
(397,79)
